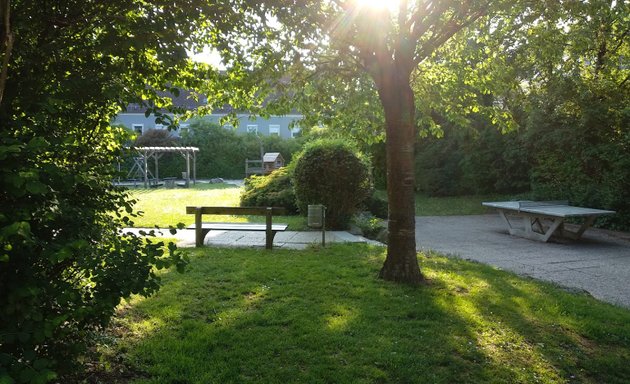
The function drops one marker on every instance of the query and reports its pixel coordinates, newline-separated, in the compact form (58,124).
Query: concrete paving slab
(286,239)
(598,263)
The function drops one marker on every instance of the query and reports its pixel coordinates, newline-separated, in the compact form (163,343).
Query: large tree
(385,40)
(398,43)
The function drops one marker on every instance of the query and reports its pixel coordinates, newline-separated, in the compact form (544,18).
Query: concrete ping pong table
(542,219)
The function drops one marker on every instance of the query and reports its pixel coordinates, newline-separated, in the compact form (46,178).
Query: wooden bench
(202,229)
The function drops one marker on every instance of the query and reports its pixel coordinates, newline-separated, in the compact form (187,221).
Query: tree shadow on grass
(322,316)
(574,337)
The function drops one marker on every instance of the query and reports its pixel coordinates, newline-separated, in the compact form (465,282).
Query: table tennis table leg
(506,221)
(533,228)
(576,235)
(555,224)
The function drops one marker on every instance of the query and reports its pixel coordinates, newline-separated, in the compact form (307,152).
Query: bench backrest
(254,211)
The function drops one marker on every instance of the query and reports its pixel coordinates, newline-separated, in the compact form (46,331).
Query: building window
(159,126)
(228,127)
(295,132)
(137,128)
(252,128)
(274,129)
(184,128)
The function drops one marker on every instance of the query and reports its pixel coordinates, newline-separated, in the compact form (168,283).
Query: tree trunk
(401,264)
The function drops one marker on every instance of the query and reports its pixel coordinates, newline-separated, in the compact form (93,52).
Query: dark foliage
(475,161)
(331,173)
(377,206)
(582,138)
(157,138)
(222,152)
(64,265)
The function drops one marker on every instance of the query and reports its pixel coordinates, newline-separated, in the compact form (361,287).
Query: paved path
(286,239)
(599,263)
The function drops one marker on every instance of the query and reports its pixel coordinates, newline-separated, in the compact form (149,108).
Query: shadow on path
(599,263)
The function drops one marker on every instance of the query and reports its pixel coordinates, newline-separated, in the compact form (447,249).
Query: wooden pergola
(146,153)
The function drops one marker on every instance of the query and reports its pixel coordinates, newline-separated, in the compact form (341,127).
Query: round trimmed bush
(329,172)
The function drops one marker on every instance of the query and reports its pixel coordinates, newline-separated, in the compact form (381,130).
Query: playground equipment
(140,168)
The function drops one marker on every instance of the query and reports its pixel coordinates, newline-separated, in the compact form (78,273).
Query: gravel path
(598,263)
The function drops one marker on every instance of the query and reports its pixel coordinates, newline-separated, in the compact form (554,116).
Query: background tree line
(222,152)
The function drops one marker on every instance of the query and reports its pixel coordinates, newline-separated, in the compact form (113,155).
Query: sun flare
(390,5)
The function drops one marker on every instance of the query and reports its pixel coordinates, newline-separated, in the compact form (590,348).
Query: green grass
(322,316)
(164,207)
(451,205)
(454,205)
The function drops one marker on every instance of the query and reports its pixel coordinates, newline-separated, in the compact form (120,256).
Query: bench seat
(202,229)
(239,227)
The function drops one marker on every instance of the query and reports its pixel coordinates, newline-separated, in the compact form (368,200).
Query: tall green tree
(373,40)
(426,62)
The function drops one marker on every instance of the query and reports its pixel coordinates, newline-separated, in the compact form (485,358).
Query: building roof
(166,149)
(187,100)
(270,157)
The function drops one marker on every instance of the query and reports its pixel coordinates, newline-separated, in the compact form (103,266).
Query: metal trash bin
(315,216)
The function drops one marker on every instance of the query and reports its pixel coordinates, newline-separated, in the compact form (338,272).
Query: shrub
(273,190)
(330,173)
(370,226)
(377,206)
(64,265)
(157,138)
(222,152)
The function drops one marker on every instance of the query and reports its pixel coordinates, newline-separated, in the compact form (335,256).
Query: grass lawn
(164,207)
(322,316)
(451,205)
(454,205)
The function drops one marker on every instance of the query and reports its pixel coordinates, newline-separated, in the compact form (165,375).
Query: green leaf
(20,228)
(40,364)
(36,187)
(6,379)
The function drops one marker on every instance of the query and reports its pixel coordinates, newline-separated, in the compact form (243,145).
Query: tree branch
(430,46)
(623,82)
(422,20)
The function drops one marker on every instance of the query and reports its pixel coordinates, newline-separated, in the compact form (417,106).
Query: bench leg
(269,233)
(269,240)
(199,235)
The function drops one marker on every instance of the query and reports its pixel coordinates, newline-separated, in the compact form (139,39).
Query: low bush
(370,225)
(157,138)
(64,264)
(377,206)
(273,190)
(329,172)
